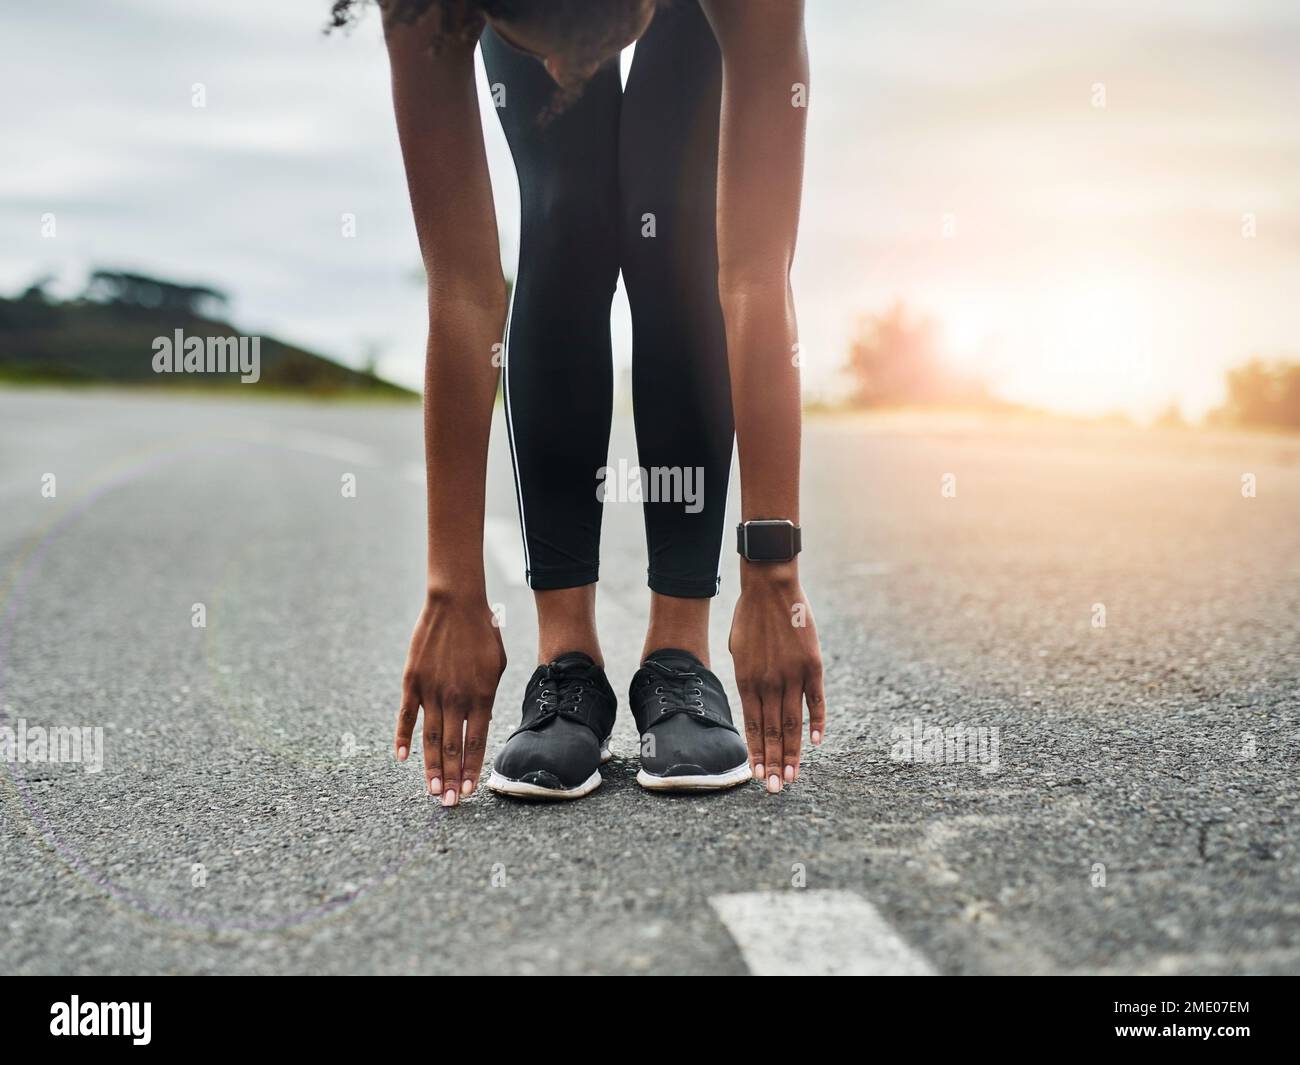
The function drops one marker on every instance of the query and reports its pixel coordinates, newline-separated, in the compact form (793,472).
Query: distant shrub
(1262,394)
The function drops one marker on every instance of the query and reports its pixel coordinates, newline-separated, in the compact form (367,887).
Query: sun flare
(1084,345)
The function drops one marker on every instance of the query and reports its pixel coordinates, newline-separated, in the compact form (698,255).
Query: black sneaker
(688,742)
(557,752)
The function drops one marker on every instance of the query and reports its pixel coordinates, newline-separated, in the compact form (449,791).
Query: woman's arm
(760,176)
(456,656)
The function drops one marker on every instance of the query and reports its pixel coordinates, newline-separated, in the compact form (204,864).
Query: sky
(1099,202)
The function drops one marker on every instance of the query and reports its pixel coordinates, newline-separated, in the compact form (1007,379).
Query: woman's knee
(569,242)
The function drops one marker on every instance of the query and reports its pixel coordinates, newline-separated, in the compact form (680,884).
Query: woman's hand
(452,670)
(778,666)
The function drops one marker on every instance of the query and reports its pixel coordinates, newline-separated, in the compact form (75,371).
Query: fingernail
(466,786)
(435,786)
(773,784)
(449,799)
(758,770)
(789,774)
(816,736)
(401,754)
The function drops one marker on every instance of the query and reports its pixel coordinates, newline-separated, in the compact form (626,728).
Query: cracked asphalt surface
(249,818)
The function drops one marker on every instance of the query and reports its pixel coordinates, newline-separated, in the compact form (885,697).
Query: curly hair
(591,27)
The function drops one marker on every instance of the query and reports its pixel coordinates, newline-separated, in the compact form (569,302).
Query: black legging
(588,179)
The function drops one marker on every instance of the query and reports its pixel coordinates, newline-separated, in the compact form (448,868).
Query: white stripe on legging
(510,424)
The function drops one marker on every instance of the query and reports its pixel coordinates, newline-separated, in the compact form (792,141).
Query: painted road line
(501,539)
(815,933)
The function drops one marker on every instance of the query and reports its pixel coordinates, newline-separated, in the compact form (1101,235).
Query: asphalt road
(1140,816)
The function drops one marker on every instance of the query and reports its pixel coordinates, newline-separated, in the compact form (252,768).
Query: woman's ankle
(548,650)
(678,622)
(566,622)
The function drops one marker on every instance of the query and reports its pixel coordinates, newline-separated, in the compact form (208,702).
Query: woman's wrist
(462,586)
(455,566)
(769,574)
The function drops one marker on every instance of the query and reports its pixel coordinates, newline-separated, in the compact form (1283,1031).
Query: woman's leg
(668,159)
(668,162)
(558,378)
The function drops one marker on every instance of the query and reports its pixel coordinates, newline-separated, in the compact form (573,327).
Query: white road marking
(501,539)
(815,933)
(324,445)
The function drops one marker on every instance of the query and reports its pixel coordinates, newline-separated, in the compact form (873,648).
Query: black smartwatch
(768,540)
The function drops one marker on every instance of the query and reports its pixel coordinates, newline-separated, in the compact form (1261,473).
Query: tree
(1263,394)
(139,290)
(36,291)
(896,359)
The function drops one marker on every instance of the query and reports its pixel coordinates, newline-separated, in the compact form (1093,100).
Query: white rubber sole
(522,790)
(713,782)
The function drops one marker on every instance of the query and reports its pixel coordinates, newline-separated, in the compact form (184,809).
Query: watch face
(769,541)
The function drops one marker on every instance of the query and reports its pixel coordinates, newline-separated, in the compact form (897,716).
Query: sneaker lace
(561,692)
(678,692)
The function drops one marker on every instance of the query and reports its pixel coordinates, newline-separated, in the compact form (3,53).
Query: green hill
(107,335)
